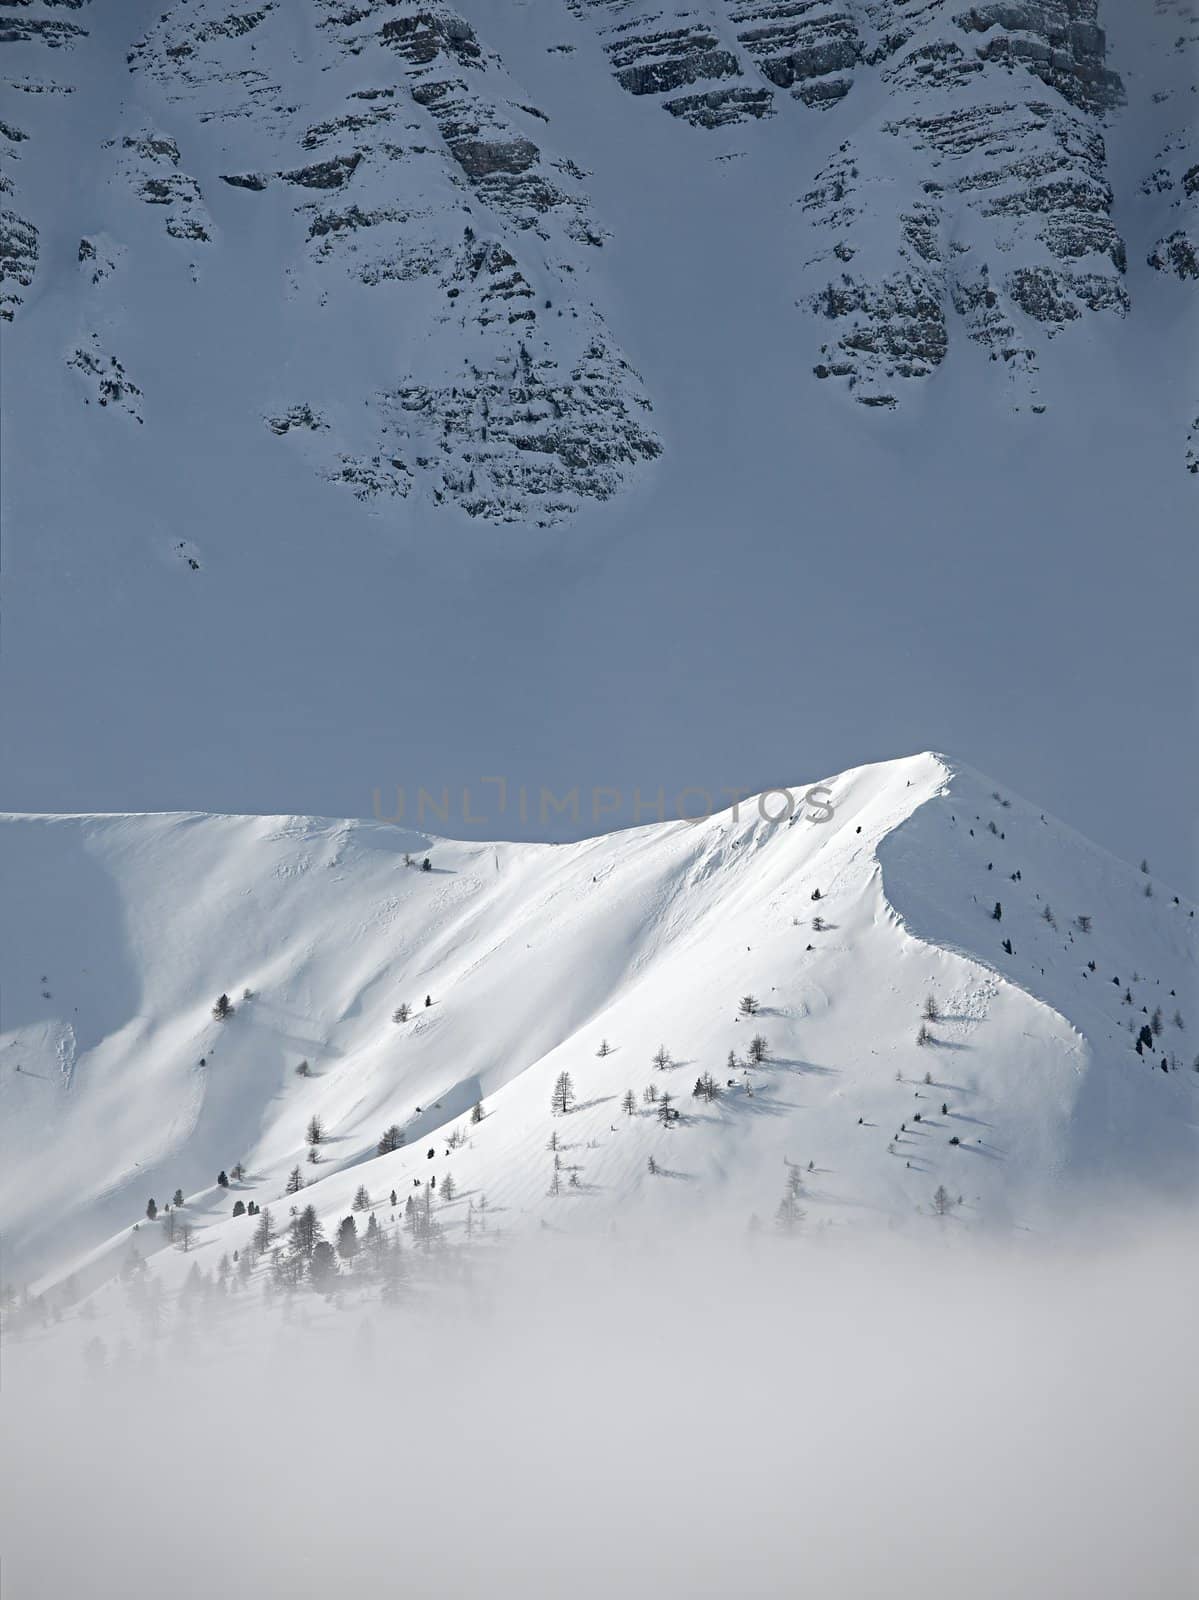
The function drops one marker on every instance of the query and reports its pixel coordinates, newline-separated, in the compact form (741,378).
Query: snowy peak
(840,978)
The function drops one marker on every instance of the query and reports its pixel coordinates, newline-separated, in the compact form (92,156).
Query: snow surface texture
(1028,1102)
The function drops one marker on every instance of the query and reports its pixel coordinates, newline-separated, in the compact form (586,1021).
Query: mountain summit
(937,987)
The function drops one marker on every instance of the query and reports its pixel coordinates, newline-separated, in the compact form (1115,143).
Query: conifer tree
(305,1232)
(376,1240)
(564,1093)
(264,1232)
(322,1265)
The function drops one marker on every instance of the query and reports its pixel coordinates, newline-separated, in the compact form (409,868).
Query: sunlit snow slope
(117,1083)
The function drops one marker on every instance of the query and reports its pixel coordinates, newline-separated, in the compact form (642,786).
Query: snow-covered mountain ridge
(1030,1099)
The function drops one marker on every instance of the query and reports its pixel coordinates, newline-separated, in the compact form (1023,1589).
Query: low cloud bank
(684,1417)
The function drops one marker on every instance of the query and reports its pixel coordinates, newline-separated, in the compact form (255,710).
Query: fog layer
(694,1418)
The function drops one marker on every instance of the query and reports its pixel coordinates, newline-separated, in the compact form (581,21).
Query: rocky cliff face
(428,230)
(1172,182)
(970,198)
(421,203)
(422,183)
(975,203)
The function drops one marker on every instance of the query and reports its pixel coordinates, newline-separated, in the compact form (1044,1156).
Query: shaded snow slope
(117,1084)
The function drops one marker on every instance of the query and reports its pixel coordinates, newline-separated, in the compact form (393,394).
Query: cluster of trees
(419,1218)
(305,1253)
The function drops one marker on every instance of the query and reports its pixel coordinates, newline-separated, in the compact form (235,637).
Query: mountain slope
(117,1084)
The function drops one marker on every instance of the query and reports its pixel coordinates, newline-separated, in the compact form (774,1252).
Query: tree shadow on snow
(760,1102)
(792,1064)
(587,1105)
(980,1149)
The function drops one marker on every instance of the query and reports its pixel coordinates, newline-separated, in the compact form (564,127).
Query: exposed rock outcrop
(652,52)
(985,204)
(105,378)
